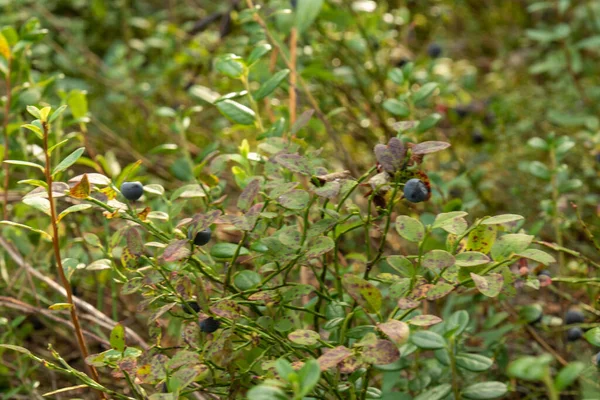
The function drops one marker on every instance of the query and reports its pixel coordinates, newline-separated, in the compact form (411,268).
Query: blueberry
(477,137)
(434,50)
(294,4)
(598,157)
(202,237)
(402,62)
(462,111)
(597,359)
(209,325)
(132,190)
(574,317)
(191,304)
(415,191)
(545,272)
(574,334)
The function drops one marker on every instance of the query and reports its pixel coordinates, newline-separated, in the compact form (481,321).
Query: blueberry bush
(316,199)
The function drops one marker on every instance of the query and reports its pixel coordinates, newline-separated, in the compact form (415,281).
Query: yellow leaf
(60,306)
(110,193)
(4,47)
(144,214)
(82,189)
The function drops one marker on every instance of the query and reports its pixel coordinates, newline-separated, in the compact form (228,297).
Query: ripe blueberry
(477,137)
(132,190)
(434,50)
(597,359)
(415,191)
(402,62)
(462,111)
(193,305)
(574,317)
(545,272)
(209,325)
(574,334)
(202,237)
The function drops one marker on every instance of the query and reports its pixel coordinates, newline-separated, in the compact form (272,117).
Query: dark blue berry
(574,334)
(132,190)
(545,272)
(202,237)
(209,325)
(477,137)
(402,62)
(434,50)
(191,304)
(415,191)
(574,317)
(597,359)
(462,111)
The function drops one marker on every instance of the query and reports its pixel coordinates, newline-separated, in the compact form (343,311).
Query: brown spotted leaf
(329,190)
(424,320)
(177,250)
(481,238)
(332,357)
(382,352)
(364,292)
(471,259)
(143,215)
(441,289)
(489,285)
(397,331)
(248,194)
(409,228)
(437,259)
(134,241)
(407,304)
(319,246)
(159,312)
(294,162)
(305,337)
(350,364)
(82,189)
(227,309)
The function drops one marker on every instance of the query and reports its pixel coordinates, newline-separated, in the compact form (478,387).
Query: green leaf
(429,122)
(57,113)
(457,322)
(44,234)
(501,219)
(530,368)
(15,348)
(236,112)
(68,161)
(424,92)
(473,362)
(39,203)
(309,376)
(264,392)
(510,244)
(396,107)
(485,391)
(117,338)
(25,164)
(35,129)
(246,279)
(57,145)
(537,255)
(72,209)
(258,52)
(271,84)
(568,375)
(77,102)
(447,218)
(410,228)
(306,12)
(230,65)
(437,393)
(593,336)
(428,340)
(396,75)
(34,111)
(224,251)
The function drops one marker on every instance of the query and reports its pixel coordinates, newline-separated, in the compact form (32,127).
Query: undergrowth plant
(274,268)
